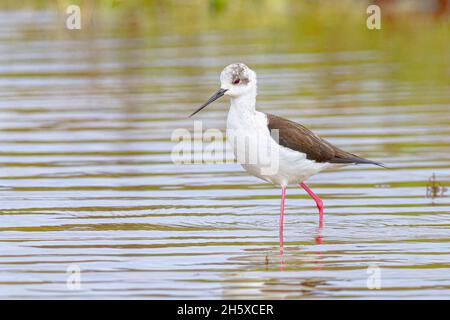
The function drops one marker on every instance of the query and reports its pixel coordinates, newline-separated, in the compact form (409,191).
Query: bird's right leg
(319,202)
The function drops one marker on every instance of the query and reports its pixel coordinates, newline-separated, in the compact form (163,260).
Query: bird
(272,148)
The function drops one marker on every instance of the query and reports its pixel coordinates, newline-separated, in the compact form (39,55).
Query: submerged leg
(318,201)
(283,195)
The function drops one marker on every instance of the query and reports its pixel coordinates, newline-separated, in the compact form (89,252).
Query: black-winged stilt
(299,152)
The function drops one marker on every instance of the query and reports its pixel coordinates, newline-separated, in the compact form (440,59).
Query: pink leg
(283,195)
(318,201)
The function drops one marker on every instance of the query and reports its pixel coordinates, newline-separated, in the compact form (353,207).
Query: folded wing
(294,136)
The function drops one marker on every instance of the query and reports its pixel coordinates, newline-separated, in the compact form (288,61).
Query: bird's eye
(237,81)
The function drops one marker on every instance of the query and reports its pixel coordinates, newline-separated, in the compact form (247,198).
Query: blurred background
(87,182)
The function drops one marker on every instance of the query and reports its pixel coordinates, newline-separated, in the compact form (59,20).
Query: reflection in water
(253,283)
(268,282)
(318,238)
(281,258)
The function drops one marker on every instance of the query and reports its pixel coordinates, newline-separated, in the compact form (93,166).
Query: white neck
(242,112)
(244,103)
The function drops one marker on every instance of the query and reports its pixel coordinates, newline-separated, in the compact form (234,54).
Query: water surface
(87,181)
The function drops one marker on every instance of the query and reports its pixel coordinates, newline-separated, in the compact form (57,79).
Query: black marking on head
(239,72)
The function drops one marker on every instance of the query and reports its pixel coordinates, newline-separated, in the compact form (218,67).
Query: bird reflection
(281,257)
(318,239)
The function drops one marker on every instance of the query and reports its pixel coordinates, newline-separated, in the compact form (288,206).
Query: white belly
(260,155)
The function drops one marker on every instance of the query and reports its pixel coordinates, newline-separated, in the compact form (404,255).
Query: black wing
(294,136)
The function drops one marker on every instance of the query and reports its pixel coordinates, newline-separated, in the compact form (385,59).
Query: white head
(236,80)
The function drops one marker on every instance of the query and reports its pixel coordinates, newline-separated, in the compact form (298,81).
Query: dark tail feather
(357,160)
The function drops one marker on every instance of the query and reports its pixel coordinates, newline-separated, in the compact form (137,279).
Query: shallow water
(87,181)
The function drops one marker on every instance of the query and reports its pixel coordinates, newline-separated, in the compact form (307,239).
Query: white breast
(260,155)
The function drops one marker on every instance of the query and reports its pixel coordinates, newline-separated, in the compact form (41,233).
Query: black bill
(213,98)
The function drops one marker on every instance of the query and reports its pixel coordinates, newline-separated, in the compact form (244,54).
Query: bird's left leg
(318,201)
(283,196)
